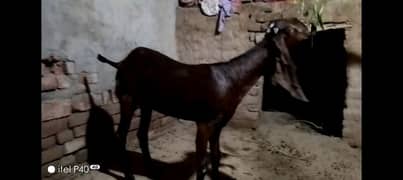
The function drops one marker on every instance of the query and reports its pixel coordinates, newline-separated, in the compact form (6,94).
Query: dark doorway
(322,71)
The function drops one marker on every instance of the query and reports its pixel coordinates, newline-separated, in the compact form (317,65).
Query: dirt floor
(279,149)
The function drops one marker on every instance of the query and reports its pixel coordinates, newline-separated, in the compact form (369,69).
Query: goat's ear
(285,74)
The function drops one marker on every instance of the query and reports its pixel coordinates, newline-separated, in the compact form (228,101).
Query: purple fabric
(225,11)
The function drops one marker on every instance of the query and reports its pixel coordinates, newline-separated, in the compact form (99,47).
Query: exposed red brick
(52,154)
(80,131)
(63,82)
(45,70)
(48,142)
(80,103)
(78,118)
(134,124)
(53,109)
(54,126)
(112,108)
(49,82)
(64,136)
(74,145)
(58,68)
(78,88)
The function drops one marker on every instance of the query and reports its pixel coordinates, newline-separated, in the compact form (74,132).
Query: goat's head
(284,34)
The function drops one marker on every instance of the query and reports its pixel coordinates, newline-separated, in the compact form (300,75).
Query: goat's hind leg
(142,135)
(127,108)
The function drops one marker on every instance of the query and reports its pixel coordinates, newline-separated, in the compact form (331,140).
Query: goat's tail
(88,90)
(105,60)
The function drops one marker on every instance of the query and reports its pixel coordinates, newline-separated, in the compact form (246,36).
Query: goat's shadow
(104,149)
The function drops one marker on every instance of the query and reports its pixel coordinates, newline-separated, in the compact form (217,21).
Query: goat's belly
(193,112)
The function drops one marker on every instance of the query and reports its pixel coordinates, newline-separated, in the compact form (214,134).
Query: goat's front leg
(203,134)
(215,152)
(127,108)
(142,136)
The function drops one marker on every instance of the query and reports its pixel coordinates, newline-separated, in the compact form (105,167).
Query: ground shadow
(181,170)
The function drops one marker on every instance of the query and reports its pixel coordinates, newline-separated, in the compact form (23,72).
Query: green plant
(312,10)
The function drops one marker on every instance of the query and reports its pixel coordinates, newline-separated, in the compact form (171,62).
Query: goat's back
(168,86)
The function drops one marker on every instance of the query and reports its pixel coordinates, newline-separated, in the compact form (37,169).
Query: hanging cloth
(225,12)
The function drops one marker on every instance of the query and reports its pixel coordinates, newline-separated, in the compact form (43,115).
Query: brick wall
(65,111)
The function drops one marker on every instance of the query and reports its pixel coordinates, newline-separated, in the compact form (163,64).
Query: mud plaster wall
(73,33)
(79,30)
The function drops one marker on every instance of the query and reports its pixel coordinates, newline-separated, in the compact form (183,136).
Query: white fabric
(210,7)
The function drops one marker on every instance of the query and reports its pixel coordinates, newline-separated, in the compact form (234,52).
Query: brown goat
(207,94)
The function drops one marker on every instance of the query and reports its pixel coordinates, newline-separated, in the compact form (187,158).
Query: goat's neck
(244,71)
